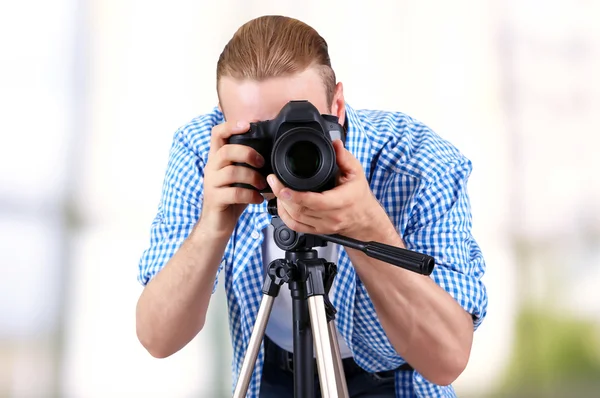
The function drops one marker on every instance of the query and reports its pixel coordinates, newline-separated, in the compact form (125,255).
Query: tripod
(310,278)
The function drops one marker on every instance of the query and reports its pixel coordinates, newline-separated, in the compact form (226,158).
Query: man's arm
(424,324)
(427,323)
(172,307)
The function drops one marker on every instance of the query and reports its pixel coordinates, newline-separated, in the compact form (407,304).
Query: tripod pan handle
(410,260)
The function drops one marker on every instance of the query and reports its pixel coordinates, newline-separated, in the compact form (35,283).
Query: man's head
(272,60)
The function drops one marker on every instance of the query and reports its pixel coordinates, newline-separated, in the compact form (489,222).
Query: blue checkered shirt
(418,177)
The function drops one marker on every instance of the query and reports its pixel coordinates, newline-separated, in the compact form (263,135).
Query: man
(401,333)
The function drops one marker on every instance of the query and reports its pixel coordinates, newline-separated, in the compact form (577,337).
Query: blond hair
(274,46)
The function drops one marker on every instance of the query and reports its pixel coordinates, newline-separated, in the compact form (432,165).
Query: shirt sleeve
(440,226)
(179,208)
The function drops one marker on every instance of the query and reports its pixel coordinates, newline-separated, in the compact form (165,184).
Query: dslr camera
(297,147)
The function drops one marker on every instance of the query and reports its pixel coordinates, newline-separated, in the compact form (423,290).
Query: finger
(275,184)
(235,153)
(347,163)
(314,202)
(282,192)
(302,214)
(235,195)
(221,133)
(291,223)
(239,174)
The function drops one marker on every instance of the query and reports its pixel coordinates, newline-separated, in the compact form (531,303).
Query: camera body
(296,146)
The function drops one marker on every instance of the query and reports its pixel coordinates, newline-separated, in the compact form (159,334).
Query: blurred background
(91,92)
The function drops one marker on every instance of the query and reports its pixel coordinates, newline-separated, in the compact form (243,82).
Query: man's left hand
(349,209)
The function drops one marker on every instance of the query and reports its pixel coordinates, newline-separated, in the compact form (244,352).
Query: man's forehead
(253,100)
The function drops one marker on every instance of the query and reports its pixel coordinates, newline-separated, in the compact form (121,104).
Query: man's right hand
(223,204)
(171,310)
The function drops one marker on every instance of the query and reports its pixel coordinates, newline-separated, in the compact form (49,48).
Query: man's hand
(223,204)
(349,209)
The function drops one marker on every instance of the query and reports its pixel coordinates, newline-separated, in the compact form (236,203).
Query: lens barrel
(304,159)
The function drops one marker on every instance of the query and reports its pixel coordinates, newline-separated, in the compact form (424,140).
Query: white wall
(112,80)
(152,68)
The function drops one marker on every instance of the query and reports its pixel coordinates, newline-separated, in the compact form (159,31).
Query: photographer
(400,333)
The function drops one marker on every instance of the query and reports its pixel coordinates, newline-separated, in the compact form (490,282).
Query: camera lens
(303,159)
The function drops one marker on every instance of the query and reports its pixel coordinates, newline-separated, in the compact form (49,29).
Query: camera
(296,146)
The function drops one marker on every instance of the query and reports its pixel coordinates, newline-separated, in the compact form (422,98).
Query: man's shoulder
(405,145)
(195,134)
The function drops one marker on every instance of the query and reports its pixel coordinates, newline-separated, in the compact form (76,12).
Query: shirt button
(255,235)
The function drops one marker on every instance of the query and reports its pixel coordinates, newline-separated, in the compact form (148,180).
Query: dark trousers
(278,377)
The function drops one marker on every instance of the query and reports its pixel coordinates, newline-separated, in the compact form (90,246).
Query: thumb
(347,163)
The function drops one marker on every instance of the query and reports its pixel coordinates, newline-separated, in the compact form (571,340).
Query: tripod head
(292,241)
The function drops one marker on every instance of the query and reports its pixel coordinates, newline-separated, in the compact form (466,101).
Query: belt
(285,361)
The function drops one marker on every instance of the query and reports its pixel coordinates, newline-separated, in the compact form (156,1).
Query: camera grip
(248,186)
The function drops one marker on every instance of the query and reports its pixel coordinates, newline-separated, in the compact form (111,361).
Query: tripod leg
(342,386)
(256,338)
(304,370)
(325,361)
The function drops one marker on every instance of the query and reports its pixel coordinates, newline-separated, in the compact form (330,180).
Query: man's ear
(338,106)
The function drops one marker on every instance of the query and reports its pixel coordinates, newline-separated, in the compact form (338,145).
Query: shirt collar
(356,139)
